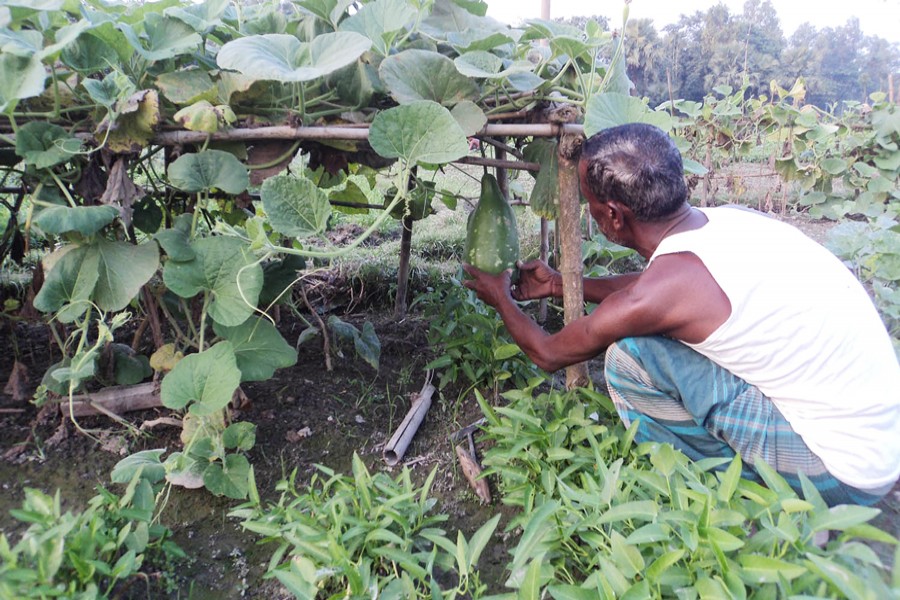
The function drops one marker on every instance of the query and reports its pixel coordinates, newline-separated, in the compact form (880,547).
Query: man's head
(636,165)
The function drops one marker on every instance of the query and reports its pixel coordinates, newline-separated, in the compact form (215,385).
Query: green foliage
(88,554)
(603,517)
(259,349)
(872,250)
(207,170)
(365,342)
(419,132)
(295,206)
(224,272)
(365,535)
(473,343)
(601,258)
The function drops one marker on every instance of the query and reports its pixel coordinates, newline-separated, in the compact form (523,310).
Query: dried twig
(326,343)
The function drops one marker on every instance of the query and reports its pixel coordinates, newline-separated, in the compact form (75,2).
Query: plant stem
(63,189)
(203,312)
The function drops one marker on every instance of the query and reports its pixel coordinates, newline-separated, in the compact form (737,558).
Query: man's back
(803,330)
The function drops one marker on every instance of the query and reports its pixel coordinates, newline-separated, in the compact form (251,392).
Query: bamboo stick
(399,442)
(116,400)
(400,304)
(571,266)
(284,132)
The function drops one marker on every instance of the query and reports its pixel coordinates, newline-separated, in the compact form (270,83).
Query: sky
(876,17)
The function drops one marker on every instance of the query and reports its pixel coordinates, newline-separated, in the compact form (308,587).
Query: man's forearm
(597,289)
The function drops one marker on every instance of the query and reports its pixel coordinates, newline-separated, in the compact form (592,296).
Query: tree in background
(711,48)
(643,54)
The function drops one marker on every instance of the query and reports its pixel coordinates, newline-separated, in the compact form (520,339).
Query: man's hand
(491,289)
(536,281)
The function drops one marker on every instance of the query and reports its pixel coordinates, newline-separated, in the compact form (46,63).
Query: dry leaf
(472,471)
(17,384)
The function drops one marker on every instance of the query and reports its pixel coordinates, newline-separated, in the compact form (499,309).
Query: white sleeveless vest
(803,330)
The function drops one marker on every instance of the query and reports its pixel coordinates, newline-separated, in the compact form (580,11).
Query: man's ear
(619,213)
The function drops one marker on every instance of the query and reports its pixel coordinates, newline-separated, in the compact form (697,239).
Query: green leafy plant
(366,535)
(872,250)
(603,517)
(96,553)
(473,343)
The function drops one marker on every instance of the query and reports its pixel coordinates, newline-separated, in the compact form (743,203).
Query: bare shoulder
(681,298)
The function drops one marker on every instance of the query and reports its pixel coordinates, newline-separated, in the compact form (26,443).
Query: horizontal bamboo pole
(503,164)
(282,132)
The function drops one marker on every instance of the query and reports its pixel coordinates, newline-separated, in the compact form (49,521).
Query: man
(741,335)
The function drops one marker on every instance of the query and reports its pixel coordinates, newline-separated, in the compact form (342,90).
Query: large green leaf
(201,16)
(469,116)
(68,286)
(44,145)
(475,39)
(612,109)
(65,37)
(449,17)
(381,21)
(176,241)
(27,42)
(421,132)
(414,75)
(203,382)
(209,169)
(86,220)
(295,206)
(258,348)
(230,479)
(88,54)
(485,65)
(115,87)
(123,268)
(282,57)
(278,277)
(224,268)
(147,461)
(187,86)
(164,37)
(329,11)
(544,200)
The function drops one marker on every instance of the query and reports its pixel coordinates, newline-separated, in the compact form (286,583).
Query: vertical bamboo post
(545,255)
(400,304)
(569,228)
(502,173)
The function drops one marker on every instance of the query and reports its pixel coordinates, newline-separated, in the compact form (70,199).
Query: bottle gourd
(492,239)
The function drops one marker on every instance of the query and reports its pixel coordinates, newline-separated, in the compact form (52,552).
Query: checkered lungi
(702,409)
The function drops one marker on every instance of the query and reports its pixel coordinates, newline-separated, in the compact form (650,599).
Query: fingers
(531,265)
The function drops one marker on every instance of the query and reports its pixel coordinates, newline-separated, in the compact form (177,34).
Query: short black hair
(638,165)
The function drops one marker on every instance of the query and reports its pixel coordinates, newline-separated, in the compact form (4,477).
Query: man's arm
(675,296)
(537,280)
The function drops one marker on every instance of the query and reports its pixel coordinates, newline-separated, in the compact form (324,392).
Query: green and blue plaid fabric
(683,398)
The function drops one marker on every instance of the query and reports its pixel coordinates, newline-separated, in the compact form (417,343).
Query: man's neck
(651,234)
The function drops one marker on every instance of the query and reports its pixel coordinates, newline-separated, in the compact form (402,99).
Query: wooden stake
(400,304)
(545,256)
(569,227)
